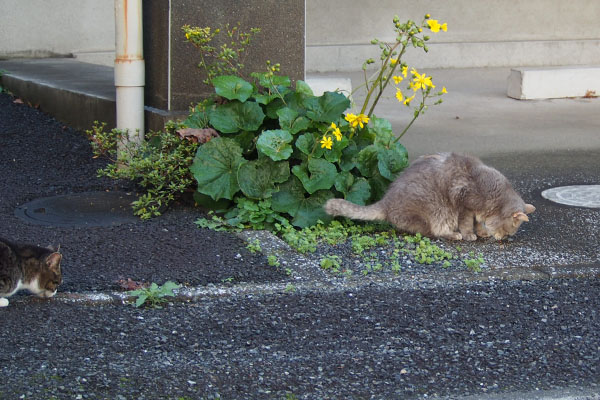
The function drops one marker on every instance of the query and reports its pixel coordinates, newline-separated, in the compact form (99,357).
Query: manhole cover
(577,195)
(81,209)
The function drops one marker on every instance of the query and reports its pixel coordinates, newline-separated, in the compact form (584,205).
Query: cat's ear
(529,208)
(53,261)
(519,217)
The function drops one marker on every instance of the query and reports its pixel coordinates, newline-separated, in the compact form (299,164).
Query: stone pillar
(173,79)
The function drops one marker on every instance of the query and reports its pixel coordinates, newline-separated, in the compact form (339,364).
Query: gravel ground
(375,343)
(39,157)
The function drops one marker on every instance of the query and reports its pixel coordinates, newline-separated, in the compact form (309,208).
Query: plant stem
(416,115)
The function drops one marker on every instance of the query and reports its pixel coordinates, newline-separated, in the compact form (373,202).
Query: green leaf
(232,87)
(141,300)
(328,107)
(304,88)
(356,190)
(348,158)
(382,130)
(168,287)
(257,178)
(291,198)
(208,203)
(311,210)
(392,161)
(360,192)
(291,121)
(196,120)
(215,168)
(335,154)
(274,80)
(275,144)
(366,161)
(315,175)
(235,116)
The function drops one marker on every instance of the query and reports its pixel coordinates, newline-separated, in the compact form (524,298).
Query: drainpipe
(129,69)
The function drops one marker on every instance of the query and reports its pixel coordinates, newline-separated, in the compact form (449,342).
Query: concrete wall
(42,28)
(481,33)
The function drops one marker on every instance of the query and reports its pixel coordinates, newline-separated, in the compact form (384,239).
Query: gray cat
(23,266)
(445,195)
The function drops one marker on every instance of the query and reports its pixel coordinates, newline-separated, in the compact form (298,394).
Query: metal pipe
(129,69)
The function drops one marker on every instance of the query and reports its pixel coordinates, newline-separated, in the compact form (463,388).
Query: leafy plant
(285,151)
(160,164)
(474,263)
(254,246)
(273,261)
(154,295)
(223,59)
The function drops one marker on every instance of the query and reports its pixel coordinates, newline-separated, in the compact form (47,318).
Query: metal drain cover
(576,195)
(80,210)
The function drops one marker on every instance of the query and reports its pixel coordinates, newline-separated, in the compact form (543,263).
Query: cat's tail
(344,208)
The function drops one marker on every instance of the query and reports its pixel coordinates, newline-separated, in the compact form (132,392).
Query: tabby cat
(23,266)
(445,195)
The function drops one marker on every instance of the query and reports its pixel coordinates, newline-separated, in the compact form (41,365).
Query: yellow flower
(434,25)
(336,131)
(404,71)
(408,100)
(421,81)
(444,89)
(355,120)
(187,35)
(445,27)
(399,95)
(397,79)
(393,61)
(326,142)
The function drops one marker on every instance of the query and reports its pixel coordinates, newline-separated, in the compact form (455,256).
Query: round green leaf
(235,116)
(291,198)
(232,87)
(392,161)
(291,121)
(257,178)
(315,175)
(328,107)
(275,144)
(215,168)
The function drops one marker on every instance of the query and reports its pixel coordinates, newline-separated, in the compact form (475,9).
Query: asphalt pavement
(527,327)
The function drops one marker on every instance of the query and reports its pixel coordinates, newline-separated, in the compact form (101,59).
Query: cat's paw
(3,302)
(470,237)
(453,236)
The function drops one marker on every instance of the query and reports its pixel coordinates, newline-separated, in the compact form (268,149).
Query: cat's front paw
(470,237)
(3,302)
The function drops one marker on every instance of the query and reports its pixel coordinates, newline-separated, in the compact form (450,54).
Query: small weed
(290,288)
(228,280)
(474,263)
(331,263)
(254,246)
(154,295)
(273,261)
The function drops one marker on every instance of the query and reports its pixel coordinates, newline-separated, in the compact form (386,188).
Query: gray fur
(445,195)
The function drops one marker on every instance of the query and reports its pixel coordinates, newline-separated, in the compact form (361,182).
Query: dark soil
(40,157)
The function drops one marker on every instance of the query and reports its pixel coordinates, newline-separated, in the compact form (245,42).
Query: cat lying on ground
(445,195)
(34,268)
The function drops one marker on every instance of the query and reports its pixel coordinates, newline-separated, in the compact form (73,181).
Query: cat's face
(50,278)
(507,224)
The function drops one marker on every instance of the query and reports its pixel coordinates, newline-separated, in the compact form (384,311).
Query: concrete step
(554,82)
